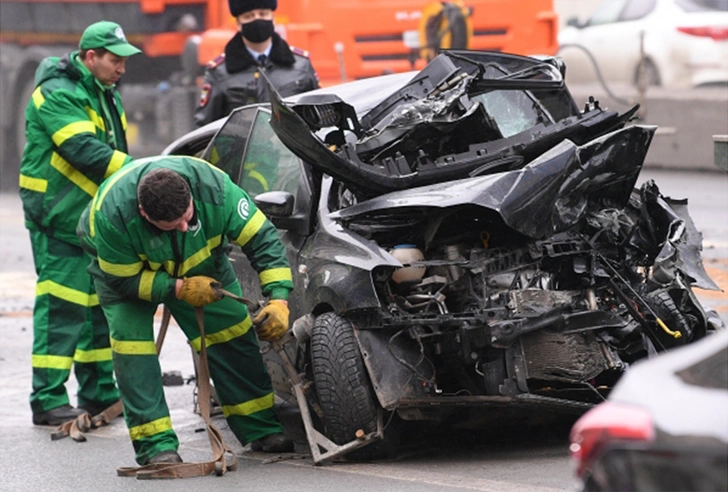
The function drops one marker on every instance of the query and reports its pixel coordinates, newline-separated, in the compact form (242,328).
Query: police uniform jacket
(233,79)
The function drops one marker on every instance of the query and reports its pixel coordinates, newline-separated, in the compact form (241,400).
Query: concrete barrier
(686,120)
(720,151)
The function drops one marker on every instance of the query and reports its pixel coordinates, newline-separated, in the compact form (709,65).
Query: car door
(227,148)
(266,165)
(269,166)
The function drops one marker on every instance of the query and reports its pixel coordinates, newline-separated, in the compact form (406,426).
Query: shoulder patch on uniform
(216,62)
(204,95)
(300,52)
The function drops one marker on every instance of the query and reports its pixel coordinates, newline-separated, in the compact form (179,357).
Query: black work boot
(165,457)
(272,443)
(57,416)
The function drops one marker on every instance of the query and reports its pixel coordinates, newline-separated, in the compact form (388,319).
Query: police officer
(233,79)
(75,132)
(159,233)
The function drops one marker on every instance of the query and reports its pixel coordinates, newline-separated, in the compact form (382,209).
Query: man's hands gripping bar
(271,322)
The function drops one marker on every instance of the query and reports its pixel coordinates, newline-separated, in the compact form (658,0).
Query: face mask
(257,31)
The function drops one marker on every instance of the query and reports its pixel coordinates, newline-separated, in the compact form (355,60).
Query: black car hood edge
(547,196)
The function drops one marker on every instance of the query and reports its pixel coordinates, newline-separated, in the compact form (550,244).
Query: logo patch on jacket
(243,208)
(204,95)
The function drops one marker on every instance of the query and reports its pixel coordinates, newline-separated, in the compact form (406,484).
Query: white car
(685,43)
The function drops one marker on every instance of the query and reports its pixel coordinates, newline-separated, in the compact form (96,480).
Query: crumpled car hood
(547,196)
(434,129)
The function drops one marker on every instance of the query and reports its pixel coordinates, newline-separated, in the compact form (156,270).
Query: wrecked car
(462,238)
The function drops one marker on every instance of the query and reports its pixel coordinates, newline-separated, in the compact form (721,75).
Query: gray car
(665,426)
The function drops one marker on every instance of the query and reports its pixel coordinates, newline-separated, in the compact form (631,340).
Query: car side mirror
(275,203)
(574,22)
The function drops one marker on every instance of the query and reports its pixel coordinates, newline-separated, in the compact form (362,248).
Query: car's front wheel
(343,387)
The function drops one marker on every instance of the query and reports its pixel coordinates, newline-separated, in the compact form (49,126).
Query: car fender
(386,358)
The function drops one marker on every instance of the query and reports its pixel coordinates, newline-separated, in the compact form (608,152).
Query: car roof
(362,94)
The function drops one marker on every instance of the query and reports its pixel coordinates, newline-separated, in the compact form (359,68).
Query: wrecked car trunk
(480,242)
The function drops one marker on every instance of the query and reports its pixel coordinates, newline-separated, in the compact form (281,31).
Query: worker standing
(76,137)
(233,79)
(159,230)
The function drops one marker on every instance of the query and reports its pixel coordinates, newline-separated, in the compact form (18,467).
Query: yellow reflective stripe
(214,156)
(275,275)
(134,347)
(168,266)
(97,120)
(33,184)
(145,285)
(123,121)
(200,256)
(121,270)
(95,355)
(116,177)
(249,407)
(38,98)
(66,293)
(91,217)
(251,228)
(117,160)
(225,335)
(73,174)
(98,199)
(150,428)
(153,264)
(260,178)
(52,362)
(71,130)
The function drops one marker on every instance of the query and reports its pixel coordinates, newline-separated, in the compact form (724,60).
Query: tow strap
(85,422)
(219,463)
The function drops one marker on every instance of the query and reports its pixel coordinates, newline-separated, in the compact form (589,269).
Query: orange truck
(346,39)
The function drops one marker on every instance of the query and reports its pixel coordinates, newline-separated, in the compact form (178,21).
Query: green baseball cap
(108,35)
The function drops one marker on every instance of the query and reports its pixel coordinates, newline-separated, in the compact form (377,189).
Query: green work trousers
(236,368)
(69,329)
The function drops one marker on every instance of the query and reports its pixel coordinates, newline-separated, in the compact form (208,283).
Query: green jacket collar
(86,74)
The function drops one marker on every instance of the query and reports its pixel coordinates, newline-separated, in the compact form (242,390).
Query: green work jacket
(76,137)
(136,260)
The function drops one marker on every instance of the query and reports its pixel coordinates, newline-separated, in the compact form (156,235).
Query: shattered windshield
(512,111)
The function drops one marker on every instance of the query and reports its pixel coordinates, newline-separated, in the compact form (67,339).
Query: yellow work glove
(200,290)
(272,321)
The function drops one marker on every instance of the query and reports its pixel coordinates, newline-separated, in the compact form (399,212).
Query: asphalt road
(496,458)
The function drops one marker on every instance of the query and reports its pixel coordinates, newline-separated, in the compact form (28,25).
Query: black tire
(343,388)
(664,306)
